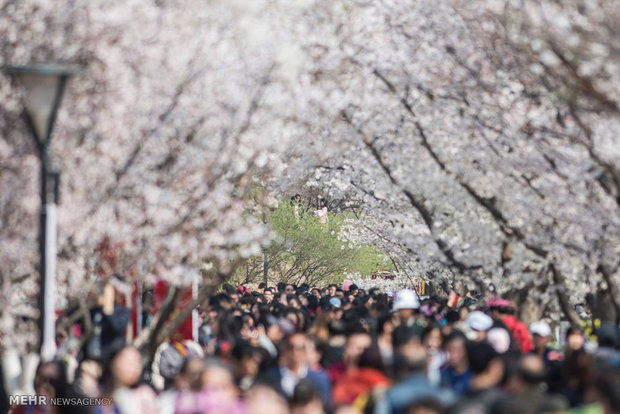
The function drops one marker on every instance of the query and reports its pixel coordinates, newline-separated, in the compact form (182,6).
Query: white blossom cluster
(385,285)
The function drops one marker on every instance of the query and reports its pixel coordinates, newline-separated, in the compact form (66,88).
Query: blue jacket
(319,379)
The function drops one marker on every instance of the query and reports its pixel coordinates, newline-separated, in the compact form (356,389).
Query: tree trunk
(146,342)
(558,280)
(614,293)
(160,328)
(204,292)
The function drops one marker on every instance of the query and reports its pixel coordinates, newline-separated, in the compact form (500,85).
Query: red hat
(498,303)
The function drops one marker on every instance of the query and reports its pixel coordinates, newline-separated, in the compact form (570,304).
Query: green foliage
(307,250)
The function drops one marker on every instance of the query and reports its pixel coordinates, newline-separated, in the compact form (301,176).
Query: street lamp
(41,88)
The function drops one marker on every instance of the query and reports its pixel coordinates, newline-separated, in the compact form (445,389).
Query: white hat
(499,338)
(479,321)
(406,299)
(540,328)
(335,302)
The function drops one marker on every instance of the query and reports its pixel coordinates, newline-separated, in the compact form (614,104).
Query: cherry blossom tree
(482,140)
(184,107)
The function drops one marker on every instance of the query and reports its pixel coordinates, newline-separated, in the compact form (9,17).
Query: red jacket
(519,332)
(357,382)
(336,371)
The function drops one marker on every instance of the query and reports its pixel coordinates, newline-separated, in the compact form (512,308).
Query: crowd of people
(340,349)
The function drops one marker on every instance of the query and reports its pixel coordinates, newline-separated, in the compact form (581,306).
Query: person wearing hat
(478,323)
(346,284)
(502,311)
(406,306)
(334,306)
(336,303)
(541,334)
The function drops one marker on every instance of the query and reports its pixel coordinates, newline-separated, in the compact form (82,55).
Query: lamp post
(42,87)
(265,257)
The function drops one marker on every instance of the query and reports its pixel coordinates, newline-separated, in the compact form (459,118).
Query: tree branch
(146,341)
(415,202)
(488,204)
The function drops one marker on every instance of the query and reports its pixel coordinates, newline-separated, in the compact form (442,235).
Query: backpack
(172,359)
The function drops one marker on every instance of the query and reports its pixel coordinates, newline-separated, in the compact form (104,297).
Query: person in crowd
(87,378)
(293,367)
(332,290)
(51,382)
(463,311)
(263,397)
(316,352)
(321,212)
(121,381)
(405,306)
(578,370)
(306,399)
(483,392)
(478,324)
(450,321)
(385,327)
(334,305)
(186,396)
(608,352)
(246,360)
(541,334)
(356,384)
(500,340)
(410,360)
(219,393)
(502,310)
(234,297)
(169,359)
(575,339)
(354,290)
(268,294)
(355,344)
(432,340)
(527,386)
(110,319)
(456,374)
(320,326)
(603,395)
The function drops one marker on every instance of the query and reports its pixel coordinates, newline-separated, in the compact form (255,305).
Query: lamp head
(41,88)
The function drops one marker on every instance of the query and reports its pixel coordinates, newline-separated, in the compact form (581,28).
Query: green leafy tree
(305,249)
